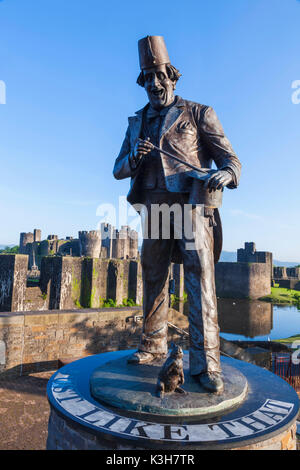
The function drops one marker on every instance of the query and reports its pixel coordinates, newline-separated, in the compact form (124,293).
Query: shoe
(211,381)
(141,357)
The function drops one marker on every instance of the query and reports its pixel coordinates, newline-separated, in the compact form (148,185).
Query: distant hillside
(230,257)
(287,264)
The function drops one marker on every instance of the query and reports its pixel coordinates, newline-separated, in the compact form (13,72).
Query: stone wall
(70,435)
(35,299)
(287,277)
(68,283)
(35,341)
(288,283)
(243,280)
(279,272)
(248,254)
(13,275)
(293,273)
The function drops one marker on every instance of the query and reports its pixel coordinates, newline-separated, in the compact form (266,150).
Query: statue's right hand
(141,148)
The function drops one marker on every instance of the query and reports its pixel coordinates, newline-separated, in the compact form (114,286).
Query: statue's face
(159,87)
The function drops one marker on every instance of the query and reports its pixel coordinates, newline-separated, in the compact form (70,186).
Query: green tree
(11,251)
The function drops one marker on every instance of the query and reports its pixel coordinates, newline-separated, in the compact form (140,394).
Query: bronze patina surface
(128,387)
(192,133)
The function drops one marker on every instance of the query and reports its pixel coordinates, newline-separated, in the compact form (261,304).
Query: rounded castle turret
(90,243)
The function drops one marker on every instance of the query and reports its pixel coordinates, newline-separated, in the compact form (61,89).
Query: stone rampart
(243,280)
(13,276)
(68,283)
(36,341)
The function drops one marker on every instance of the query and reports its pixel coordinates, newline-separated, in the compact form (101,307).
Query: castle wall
(118,280)
(35,299)
(71,282)
(248,254)
(289,283)
(242,280)
(135,286)
(293,273)
(68,283)
(279,272)
(13,276)
(61,279)
(133,244)
(35,341)
(288,278)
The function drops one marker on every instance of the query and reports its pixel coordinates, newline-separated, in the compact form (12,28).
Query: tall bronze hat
(152,52)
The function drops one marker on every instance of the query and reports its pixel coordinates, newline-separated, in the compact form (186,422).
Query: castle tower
(125,243)
(120,248)
(25,238)
(107,235)
(90,243)
(37,235)
(133,244)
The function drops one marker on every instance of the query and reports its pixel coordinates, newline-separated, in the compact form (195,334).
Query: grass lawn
(289,340)
(280,295)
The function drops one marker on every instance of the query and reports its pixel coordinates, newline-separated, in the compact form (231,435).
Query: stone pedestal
(262,417)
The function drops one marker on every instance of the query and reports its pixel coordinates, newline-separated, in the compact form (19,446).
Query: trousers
(161,234)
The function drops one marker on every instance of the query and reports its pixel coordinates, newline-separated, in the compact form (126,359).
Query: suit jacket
(192,132)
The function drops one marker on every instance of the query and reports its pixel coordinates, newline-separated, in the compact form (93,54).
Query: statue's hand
(141,148)
(218,180)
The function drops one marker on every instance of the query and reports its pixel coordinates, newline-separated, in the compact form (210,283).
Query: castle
(249,278)
(107,242)
(103,266)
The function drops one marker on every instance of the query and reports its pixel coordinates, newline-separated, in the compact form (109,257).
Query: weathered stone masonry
(68,283)
(243,280)
(288,278)
(35,341)
(13,276)
(71,282)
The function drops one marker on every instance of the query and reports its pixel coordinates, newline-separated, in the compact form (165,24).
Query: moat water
(254,320)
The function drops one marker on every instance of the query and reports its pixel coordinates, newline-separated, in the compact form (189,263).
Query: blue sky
(70,69)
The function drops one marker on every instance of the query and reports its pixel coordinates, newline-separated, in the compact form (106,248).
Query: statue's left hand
(218,180)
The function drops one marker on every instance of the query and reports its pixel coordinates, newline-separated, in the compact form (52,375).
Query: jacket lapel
(172,115)
(135,125)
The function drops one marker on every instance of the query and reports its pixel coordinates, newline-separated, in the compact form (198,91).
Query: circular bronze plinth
(132,388)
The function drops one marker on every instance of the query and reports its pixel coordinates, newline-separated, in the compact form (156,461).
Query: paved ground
(24,412)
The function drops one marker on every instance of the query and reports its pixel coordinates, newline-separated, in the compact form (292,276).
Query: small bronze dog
(171,375)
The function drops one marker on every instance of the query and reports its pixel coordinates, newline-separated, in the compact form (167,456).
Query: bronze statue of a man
(193,133)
